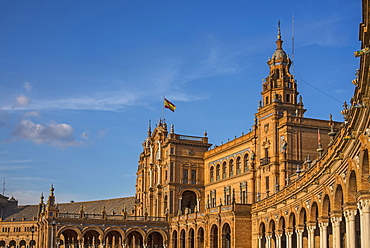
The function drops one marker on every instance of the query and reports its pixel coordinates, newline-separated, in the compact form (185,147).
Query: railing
(265,161)
(186,137)
(111,217)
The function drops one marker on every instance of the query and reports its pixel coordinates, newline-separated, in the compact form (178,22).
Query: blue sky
(79,80)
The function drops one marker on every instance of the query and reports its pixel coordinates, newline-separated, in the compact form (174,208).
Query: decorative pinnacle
(52,190)
(279,33)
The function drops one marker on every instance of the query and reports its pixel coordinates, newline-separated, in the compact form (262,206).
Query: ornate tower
(278,115)
(170,173)
(279,88)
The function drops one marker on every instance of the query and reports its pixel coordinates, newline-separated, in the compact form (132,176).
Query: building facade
(291,182)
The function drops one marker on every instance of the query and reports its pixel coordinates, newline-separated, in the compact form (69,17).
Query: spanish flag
(361,52)
(169,105)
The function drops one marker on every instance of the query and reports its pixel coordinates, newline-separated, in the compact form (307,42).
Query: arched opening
(68,239)
(22,244)
(155,240)
(12,243)
(182,239)
(302,226)
(292,230)
(365,168)
(188,201)
(314,216)
(201,237)
(165,204)
(212,174)
(213,239)
(231,167)
(174,239)
(246,163)
(337,207)
(226,236)
(325,215)
(191,238)
(134,239)
(218,172)
(282,231)
(113,239)
(272,233)
(91,238)
(262,235)
(224,170)
(2,244)
(238,165)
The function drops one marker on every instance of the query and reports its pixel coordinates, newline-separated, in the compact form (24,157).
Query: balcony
(264,161)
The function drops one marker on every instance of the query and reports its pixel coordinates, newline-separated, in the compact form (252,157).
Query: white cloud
(27,86)
(32,114)
(54,134)
(85,135)
(12,167)
(21,101)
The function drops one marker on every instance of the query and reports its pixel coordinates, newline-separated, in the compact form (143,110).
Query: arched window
(218,172)
(238,165)
(211,174)
(231,168)
(246,162)
(224,170)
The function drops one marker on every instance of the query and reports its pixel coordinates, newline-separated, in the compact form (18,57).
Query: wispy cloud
(32,114)
(60,135)
(12,167)
(16,161)
(21,101)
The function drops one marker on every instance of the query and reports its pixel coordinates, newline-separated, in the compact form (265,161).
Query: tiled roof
(12,212)
(96,207)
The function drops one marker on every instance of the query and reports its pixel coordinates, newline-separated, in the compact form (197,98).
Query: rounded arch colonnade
(334,216)
(216,237)
(71,237)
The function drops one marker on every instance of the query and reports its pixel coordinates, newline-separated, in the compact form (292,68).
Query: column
(299,233)
(323,234)
(278,235)
(159,174)
(335,221)
(268,239)
(350,216)
(311,236)
(364,207)
(150,178)
(260,242)
(289,235)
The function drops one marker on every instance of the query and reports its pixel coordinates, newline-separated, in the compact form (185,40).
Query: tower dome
(279,56)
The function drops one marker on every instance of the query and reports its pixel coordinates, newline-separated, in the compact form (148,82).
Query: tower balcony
(264,161)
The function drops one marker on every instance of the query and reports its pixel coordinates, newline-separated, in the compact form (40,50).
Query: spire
(51,198)
(42,198)
(52,190)
(149,128)
(279,42)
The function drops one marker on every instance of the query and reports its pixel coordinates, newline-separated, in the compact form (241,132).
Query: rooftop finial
(42,198)
(52,189)
(279,32)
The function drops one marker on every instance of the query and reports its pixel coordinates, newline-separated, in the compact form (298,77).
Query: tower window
(287,98)
(266,100)
(193,176)
(185,176)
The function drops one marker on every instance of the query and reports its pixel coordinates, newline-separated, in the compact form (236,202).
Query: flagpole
(163,108)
